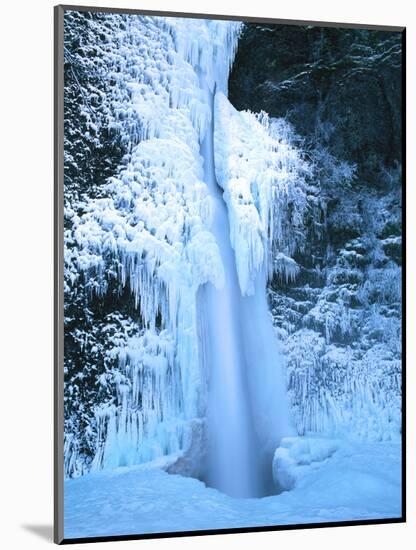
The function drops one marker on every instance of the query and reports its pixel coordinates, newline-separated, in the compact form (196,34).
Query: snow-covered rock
(296,456)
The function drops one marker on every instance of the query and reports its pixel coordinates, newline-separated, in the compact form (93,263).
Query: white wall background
(26,286)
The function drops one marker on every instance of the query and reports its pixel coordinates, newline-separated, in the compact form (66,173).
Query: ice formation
(261,172)
(151,232)
(296,456)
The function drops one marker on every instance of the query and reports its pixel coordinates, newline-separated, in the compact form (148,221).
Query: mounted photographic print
(228,274)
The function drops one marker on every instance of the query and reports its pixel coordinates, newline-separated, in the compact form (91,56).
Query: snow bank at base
(296,456)
(359,482)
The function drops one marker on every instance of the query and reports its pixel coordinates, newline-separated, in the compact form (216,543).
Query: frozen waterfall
(231,440)
(247,412)
(191,225)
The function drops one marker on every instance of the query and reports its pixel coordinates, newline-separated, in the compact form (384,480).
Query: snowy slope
(357,482)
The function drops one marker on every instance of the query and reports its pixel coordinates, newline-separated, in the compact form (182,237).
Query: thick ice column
(231,444)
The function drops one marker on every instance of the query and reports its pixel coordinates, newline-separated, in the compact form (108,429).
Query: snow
(294,457)
(355,482)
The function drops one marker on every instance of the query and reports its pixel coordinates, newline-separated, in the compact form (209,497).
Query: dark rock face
(92,323)
(340,86)
(340,321)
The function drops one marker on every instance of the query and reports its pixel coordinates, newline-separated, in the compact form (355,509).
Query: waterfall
(186,227)
(230,432)
(247,412)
